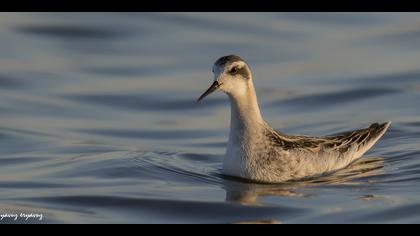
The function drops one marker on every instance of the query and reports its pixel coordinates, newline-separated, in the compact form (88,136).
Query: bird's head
(231,75)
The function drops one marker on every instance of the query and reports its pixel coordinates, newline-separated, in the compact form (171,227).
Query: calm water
(98,120)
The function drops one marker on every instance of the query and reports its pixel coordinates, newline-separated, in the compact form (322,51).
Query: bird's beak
(212,88)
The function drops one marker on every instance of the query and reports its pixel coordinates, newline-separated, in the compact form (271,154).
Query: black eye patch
(234,70)
(239,71)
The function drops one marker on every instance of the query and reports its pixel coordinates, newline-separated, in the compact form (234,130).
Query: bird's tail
(374,133)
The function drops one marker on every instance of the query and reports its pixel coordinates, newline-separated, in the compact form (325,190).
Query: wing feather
(339,142)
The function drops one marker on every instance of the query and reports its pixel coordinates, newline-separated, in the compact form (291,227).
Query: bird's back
(305,156)
(361,139)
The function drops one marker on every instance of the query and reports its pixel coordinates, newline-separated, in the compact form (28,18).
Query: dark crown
(231,58)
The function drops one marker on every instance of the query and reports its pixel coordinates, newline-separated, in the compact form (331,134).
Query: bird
(259,153)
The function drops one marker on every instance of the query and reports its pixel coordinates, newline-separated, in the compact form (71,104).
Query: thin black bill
(212,88)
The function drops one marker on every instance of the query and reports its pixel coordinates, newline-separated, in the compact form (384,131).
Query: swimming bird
(257,152)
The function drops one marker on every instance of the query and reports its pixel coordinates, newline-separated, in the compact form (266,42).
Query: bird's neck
(246,127)
(245,112)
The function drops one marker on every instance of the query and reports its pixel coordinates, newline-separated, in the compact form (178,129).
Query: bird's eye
(234,70)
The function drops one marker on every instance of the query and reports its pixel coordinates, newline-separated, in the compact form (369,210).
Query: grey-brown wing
(342,142)
(339,142)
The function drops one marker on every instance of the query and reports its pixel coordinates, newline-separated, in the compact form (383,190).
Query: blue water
(99,124)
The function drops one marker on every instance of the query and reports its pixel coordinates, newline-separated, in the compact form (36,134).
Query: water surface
(98,120)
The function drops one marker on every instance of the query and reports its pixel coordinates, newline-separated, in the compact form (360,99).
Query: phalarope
(257,152)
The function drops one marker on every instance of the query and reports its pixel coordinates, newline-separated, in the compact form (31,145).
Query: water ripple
(334,18)
(150,134)
(401,214)
(315,101)
(71,32)
(143,102)
(7,82)
(172,211)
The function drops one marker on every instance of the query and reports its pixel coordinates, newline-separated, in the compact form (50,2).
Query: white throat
(245,112)
(246,127)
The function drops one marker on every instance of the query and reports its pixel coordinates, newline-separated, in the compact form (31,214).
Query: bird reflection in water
(246,192)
